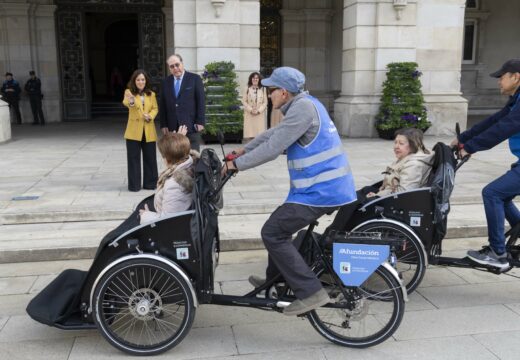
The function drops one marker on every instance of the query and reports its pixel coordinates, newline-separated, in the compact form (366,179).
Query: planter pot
(229,138)
(387,134)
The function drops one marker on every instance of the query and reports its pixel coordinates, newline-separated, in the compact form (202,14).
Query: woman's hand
(183,129)
(147,117)
(370,194)
(141,211)
(129,97)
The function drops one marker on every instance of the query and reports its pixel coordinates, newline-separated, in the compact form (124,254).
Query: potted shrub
(223,111)
(402,102)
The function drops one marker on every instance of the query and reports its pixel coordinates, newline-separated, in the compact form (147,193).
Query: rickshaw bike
(418,218)
(143,287)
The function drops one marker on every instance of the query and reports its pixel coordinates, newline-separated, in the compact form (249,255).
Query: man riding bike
(320,181)
(498,195)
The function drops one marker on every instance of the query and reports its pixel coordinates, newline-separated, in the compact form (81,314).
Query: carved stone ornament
(399,6)
(218,5)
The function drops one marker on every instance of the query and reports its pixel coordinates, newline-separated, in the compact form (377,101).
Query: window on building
(470,42)
(471,4)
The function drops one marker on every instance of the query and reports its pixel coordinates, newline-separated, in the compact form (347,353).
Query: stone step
(83,213)
(78,240)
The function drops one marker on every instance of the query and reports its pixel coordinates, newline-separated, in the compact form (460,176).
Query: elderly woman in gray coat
(175,184)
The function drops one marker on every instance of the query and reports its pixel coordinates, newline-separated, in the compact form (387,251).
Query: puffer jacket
(410,172)
(176,194)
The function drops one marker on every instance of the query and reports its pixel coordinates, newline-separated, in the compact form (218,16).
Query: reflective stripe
(324,176)
(314,159)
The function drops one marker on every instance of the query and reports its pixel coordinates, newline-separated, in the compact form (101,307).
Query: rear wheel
(370,315)
(143,307)
(411,259)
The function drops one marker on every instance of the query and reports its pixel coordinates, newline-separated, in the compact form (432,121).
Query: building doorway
(270,42)
(100,44)
(113,54)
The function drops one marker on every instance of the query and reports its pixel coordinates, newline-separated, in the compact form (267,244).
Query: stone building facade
(343,46)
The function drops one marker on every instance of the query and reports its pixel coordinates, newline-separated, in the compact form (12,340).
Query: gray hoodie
(300,124)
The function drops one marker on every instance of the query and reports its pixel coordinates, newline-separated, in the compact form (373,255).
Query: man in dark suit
(182,102)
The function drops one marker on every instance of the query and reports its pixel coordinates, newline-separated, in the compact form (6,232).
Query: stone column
(28,42)
(168,28)
(428,32)
(202,35)
(16,48)
(5,122)
(45,58)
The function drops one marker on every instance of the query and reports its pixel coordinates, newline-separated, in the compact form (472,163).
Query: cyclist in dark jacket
(33,87)
(11,93)
(498,195)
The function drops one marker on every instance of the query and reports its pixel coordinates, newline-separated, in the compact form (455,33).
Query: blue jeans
(498,203)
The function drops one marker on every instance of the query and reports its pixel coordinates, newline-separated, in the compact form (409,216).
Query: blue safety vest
(319,172)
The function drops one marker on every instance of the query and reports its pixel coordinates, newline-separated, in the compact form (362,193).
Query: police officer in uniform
(11,93)
(33,87)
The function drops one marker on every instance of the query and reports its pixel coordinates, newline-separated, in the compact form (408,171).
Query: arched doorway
(100,43)
(112,51)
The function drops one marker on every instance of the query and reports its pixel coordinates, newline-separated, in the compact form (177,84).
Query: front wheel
(370,315)
(143,307)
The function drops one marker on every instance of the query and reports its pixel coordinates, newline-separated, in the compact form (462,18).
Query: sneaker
(312,302)
(487,256)
(256,281)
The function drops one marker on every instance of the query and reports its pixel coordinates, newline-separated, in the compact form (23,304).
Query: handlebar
(457,148)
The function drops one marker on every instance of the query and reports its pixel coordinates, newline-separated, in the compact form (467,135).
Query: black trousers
(195,140)
(283,255)
(345,212)
(36,108)
(15,106)
(133,156)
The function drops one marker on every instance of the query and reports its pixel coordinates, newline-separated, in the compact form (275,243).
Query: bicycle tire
(143,307)
(382,305)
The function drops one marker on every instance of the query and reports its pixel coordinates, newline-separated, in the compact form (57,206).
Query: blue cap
(287,78)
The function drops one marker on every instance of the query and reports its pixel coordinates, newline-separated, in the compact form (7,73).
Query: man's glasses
(272,90)
(173,66)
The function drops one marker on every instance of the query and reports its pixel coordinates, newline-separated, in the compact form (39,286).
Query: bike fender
(394,273)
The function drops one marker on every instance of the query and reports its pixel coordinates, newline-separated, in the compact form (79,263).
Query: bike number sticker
(354,263)
(415,221)
(183,253)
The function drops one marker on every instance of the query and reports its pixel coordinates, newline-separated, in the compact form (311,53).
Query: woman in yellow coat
(140,132)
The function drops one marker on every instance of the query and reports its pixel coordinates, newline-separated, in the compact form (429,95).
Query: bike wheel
(143,307)
(411,260)
(372,313)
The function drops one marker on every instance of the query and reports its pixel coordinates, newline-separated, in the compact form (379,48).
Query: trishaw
(419,218)
(143,287)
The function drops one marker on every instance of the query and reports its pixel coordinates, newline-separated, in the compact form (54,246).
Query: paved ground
(77,171)
(63,186)
(455,314)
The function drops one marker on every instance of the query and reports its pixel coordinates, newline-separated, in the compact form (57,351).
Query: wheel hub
(144,304)
(143,308)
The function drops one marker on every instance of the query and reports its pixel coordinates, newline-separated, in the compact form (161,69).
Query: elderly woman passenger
(411,168)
